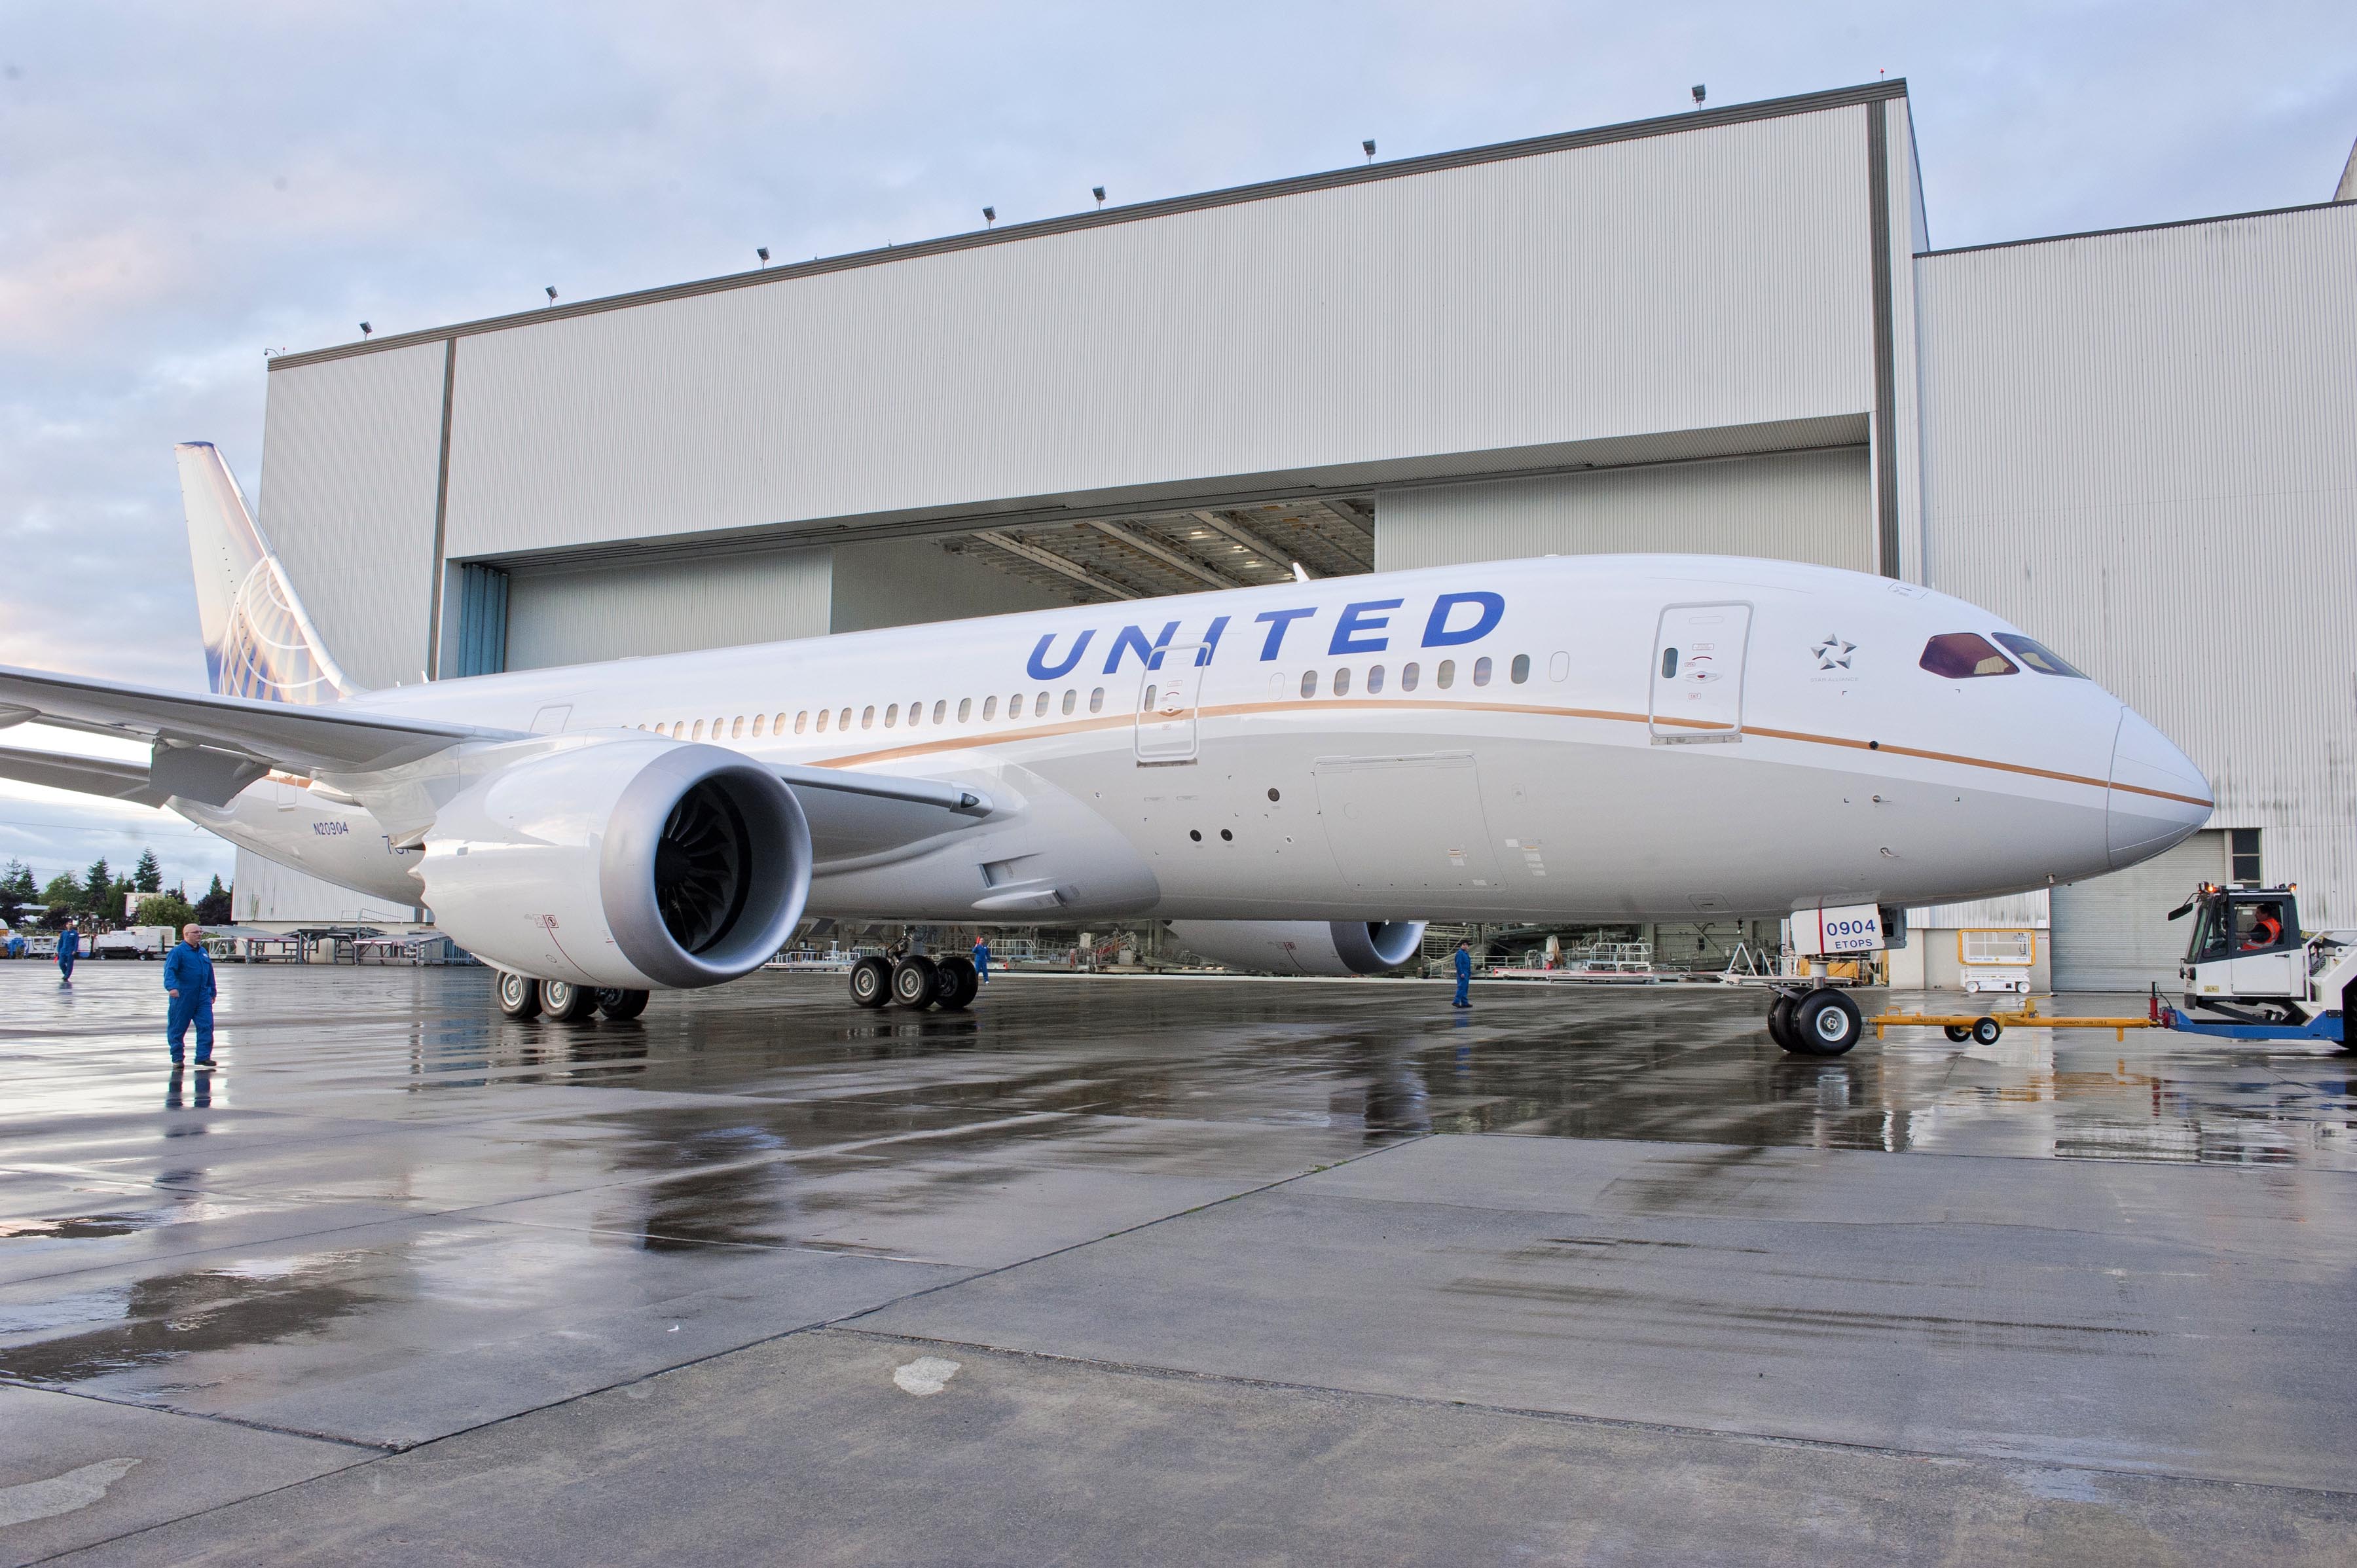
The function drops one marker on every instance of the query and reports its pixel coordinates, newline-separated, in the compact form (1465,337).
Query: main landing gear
(1815,1023)
(915,981)
(521,997)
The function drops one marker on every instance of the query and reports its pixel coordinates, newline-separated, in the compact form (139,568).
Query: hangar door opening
(2114,933)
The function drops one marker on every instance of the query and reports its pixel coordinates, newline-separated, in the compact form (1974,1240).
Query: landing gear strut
(1818,1023)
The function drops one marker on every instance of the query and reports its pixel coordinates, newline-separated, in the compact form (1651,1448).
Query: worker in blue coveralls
(982,960)
(189,980)
(68,949)
(1464,975)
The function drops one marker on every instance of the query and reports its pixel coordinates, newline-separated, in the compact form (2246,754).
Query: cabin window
(941,709)
(777,725)
(1096,700)
(990,707)
(824,714)
(1559,668)
(1015,706)
(699,729)
(1309,683)
(759,719)
(867,716)
(803,717)
(1040,706)
(1146,704)
(2038,656)
(716,726)
(1519,670)
(659,729)
(891,714)
(965,709)
(1962,655)
(1375,680)
(843,719)
(1408,673)
(1444,676)
(735,727)
(1481,670)
(1342,682)
(1071,701)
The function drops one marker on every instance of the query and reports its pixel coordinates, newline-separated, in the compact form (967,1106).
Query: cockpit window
(1960,655)
(2039,657)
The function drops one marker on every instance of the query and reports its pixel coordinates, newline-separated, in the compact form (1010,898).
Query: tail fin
(258,641)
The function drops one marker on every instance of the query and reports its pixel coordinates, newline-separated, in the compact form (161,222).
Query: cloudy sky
(183,188)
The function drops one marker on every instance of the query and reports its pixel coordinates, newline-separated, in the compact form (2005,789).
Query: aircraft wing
(89,774)
(208,747)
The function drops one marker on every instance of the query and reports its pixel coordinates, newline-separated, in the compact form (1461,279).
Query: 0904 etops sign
(1847,928)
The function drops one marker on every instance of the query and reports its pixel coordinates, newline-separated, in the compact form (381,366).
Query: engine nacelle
(1304,947)
(631,863)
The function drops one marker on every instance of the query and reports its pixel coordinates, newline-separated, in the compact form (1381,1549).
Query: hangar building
(1725,331)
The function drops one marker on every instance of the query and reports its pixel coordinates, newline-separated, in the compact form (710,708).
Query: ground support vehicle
(2251,974)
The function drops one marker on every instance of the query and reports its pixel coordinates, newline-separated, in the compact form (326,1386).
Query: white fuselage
(1500,741)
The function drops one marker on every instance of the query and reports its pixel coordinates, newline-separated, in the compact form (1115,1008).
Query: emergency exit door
(1168,700)
(1697,686)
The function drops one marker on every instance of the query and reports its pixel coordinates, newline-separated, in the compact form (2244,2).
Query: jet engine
(1304,947)
(623,862)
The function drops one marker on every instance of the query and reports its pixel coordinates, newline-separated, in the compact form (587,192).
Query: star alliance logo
(1834,653)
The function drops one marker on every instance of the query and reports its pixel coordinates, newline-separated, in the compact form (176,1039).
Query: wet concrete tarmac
(1218,1269)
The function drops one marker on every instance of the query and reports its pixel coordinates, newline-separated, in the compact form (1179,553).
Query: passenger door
(1168,700)
(1697,683)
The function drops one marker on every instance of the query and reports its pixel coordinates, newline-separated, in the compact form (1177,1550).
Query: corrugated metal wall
(1716,277)
(268,891)
(1796,506)
(665,607)
(2139,448)
(351,455)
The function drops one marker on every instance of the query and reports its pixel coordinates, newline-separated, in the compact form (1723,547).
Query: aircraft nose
(2158,798)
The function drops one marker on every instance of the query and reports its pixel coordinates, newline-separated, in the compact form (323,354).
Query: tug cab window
(2038,656)
(1962,655)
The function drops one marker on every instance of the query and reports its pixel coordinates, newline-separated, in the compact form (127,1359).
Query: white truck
(134,941)
(2250,968)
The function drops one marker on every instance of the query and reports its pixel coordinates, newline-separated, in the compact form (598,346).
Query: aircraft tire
(1824,1023)
(1987,1030)
(621,1005)
(1956,1032)
(567,1002)
(915,981)
(959,983)
(871,981)
(518,995)
(1779,1022)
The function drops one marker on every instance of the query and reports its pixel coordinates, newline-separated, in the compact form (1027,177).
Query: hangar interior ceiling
(1147,554)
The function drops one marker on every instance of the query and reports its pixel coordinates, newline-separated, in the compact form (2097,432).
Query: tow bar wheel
(1824,1024)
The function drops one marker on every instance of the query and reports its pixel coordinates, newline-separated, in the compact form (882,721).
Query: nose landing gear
(1816,1023)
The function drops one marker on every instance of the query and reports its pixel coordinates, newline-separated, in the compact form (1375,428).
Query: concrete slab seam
(1570,1418)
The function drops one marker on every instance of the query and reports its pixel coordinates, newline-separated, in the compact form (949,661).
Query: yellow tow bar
(1985,1028)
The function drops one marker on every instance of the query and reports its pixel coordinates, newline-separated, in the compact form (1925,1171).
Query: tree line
(98,898)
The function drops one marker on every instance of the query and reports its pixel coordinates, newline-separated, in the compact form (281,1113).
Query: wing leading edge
(208,747)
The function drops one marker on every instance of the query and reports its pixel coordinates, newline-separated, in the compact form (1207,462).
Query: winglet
(259,643)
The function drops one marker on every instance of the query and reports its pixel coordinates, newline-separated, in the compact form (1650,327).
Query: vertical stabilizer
(258,641)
